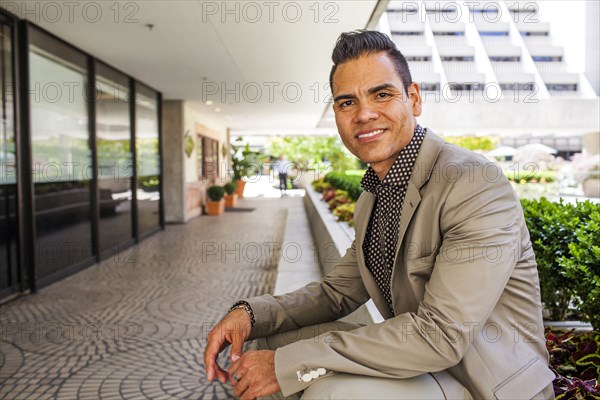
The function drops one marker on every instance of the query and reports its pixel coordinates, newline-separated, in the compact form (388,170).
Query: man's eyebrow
(381,87)
(343,97)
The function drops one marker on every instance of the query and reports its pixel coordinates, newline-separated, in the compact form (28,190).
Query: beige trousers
(434,386)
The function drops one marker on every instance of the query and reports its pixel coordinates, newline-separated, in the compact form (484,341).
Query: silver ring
(236,377)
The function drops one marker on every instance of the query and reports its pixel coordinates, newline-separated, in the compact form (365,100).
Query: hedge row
(566,240)
(349,183)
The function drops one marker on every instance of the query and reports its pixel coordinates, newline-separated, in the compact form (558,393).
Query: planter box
(241,184)
(215,207)
(230,200)
(332,238)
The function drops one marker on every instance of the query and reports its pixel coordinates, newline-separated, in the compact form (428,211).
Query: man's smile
(369,135)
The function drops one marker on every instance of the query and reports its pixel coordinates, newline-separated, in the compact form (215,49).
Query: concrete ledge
(331,241)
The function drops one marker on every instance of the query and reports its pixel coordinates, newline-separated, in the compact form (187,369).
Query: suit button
(307,378)
(321,371)
(314,374)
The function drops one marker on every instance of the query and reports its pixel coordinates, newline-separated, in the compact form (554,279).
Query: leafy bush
(345,213)
(349,183)
(575,359)
(341,197)
(583,265)
(565,241)
(216,193)
(230,187)
(320,186)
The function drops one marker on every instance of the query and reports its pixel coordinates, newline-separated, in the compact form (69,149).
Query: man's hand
(253,375)
(233,329)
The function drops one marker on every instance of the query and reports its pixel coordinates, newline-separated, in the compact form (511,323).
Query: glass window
(148,160)
(8,167)
(115,161)
(61,159)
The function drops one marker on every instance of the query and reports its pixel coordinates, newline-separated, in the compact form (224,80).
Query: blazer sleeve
(338,294)
(481,216)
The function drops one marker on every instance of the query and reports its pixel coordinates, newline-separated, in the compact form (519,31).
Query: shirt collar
(370,181)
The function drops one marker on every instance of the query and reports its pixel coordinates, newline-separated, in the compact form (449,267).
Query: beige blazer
(465,289)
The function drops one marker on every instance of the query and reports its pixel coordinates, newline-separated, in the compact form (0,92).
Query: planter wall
(331,241)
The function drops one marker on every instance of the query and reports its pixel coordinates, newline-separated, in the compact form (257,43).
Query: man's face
(374,116)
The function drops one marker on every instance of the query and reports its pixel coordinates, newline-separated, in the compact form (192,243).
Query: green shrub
(341,197)
(320,186)
(345,213)
(557,230)
(349,183)
(216,193)
(230,188)
(583,265)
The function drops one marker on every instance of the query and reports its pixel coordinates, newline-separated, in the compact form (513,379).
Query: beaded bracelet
(246,306)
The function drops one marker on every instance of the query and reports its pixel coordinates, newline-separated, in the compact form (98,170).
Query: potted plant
(215,204)
(231,196)
(244,162)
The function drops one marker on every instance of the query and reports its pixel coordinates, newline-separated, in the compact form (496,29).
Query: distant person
(441,248)
(282,165)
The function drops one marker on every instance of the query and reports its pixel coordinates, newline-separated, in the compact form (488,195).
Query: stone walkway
(135,326)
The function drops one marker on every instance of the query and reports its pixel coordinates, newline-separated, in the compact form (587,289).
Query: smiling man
(441,248)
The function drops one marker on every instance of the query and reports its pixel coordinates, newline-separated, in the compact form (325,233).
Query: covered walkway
(135,325)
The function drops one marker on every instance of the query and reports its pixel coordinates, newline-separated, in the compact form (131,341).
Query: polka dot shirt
(382,232)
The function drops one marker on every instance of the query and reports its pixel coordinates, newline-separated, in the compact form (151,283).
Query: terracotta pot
(240,188)
(231,200)
(215,207)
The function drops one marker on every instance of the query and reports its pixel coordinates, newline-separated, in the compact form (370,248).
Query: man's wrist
(246,307)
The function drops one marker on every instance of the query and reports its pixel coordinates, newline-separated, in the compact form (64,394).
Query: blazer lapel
(422,170)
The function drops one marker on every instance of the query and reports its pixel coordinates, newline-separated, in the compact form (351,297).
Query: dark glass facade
(10,276)
(147,147)
(115,160)
(80,159)
(61,155)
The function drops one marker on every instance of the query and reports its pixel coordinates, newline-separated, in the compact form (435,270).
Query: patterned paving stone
(134,326)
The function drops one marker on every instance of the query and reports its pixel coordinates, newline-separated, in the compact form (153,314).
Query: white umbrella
(502,151)
(538,147)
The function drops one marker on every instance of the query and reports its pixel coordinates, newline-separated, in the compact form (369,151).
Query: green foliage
(245,162)
(216,193)
(484,143)
(345,213)
(310,152)
(341,197)
(582,266)
(230,187)
(149,183)
(320,186)
(524,176)
(349,183)
(556,231)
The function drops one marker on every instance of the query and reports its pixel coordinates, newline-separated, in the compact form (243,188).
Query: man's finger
(211,352)
(237,345)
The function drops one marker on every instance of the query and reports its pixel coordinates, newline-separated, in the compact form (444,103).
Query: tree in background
(314,152)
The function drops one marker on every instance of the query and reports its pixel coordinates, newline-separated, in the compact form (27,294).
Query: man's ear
(414,93)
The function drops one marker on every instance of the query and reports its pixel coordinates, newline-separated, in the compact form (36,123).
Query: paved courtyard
(135,326)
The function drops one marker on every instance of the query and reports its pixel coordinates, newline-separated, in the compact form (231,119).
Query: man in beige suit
(441,247)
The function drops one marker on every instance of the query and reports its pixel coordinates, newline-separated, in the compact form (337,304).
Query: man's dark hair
(352,45)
